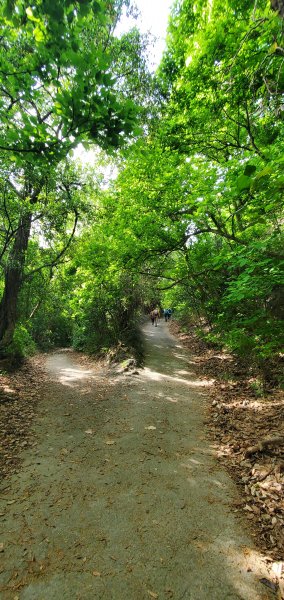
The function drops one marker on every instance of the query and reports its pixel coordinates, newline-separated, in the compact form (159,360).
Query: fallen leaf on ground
(239,418)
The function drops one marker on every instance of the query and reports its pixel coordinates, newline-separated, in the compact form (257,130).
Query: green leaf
(243,183)
(249,170)
(96,7)
(264,172)
(30,14)
(38,34)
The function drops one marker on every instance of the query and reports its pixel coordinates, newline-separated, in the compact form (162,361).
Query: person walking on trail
(167,314)
(154,316)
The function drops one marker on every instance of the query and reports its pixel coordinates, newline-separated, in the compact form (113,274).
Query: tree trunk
(13,282)
(278,6)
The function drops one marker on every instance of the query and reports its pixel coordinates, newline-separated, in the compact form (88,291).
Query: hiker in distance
(154,315)
(167,314)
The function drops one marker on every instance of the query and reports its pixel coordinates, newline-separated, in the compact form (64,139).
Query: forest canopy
(192,216)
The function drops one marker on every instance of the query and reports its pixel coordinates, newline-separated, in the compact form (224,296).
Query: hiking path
(123,498)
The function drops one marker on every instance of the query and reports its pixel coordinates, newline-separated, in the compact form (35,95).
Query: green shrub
(22,345)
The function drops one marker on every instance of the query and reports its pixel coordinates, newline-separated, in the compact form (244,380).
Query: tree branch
(226,235)
(56,260)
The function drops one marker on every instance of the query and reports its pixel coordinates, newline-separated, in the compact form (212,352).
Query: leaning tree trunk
(13,282)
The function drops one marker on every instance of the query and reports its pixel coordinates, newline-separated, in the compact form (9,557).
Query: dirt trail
(124,499)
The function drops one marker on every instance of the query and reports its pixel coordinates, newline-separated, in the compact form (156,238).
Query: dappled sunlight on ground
(224,451)
(70,376)
(181,357)
(8,390)
(170,399)
(218,484)
(254,405)
(195,462)
(249,560)
(158,376)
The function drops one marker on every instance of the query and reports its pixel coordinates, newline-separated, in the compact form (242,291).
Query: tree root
(263,444)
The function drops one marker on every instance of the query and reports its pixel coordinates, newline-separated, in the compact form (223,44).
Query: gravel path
(124,499)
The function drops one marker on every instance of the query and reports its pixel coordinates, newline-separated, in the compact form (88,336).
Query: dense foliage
(223,80)
(65,79)
(194,217)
